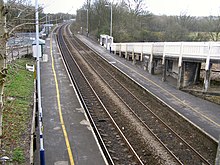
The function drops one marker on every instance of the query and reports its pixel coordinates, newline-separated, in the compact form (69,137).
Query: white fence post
(164,63)
(141,59)
(119,50)
(151,60)
(207,70)
(179,78)
(181,55)
(164,47)
(126,51)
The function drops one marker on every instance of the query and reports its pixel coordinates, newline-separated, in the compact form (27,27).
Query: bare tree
(3,40)
(186,21)
(4,35)
(136,7)
(214,27)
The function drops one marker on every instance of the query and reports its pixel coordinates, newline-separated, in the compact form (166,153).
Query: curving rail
(109,134)
(170,138)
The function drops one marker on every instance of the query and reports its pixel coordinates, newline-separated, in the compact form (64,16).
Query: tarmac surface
(72,140)
(203,114)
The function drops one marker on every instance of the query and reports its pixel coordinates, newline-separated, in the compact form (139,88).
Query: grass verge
(17,111)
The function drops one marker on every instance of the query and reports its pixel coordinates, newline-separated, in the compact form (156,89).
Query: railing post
(207,70)
(164,63)
(150,66)
(164,54)
(133,57)
(119,50)
(141,59)
(126,52)
(179,79)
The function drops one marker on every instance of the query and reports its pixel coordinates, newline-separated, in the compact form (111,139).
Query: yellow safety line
(59,107)
(172,95)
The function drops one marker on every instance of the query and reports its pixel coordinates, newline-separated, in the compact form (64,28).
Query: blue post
(42,157)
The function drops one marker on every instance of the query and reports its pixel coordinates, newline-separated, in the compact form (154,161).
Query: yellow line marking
(59,106)
(217,124)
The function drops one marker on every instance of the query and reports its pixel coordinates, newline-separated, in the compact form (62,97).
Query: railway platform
(201,113)
(68,136)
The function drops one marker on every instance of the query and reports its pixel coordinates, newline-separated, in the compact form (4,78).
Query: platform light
(110,18)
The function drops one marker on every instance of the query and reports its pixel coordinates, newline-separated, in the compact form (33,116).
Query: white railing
(189,50)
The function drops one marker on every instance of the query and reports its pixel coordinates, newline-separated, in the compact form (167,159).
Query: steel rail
(196,152)
(65,49)
(119,130)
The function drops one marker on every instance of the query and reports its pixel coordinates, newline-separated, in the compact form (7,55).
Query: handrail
(194,50)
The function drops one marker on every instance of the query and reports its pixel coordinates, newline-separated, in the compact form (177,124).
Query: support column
(145,66)
(120,50)
(164,67)
(126,52)
(207,71)
(180,68)
(150,64)
(153,67)
(141,58)
(164,63)
(179,79)
(146,63)
(197,73)
(207,80)
(133,58)
(128,56)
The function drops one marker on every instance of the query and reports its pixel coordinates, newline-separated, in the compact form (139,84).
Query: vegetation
(18,156)
(18,16)
(17,111)
(133,22)
(23,13)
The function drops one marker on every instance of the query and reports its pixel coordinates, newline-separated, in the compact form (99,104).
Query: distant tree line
(133,22)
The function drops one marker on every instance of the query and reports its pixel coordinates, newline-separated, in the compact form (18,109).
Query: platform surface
(83,144)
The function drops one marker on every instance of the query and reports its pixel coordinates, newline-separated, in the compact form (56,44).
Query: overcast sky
(192,7)
(159,7)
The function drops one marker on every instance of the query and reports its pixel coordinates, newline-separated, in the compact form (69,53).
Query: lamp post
(87,22)
(110,19)
(111,22)
(87,18)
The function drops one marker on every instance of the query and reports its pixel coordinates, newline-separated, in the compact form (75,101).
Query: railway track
(107,131)
(130,128)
